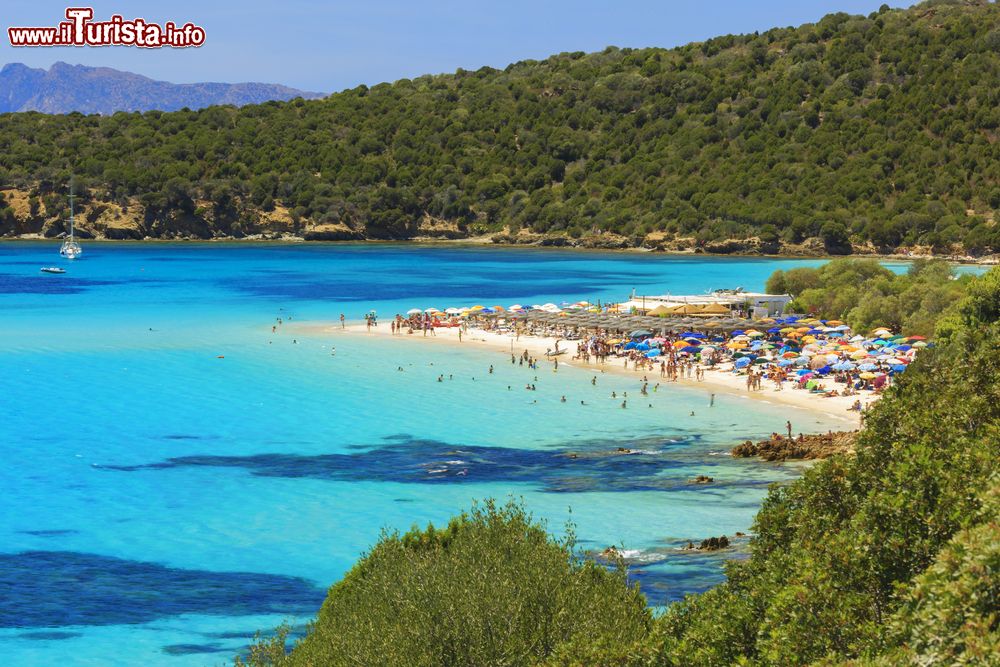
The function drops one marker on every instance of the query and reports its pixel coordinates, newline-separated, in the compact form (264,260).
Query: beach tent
(661,311)
(715,309)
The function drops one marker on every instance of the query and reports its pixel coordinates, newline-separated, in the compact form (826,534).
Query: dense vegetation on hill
(887,557)
(866,295)
(877,131)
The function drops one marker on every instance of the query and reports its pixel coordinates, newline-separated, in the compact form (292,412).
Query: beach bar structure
(720,302)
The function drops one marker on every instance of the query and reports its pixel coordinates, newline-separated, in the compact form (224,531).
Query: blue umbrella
(743,362)
(774,330)
(630,346)
(691,349)
(644,346)
(899,368)
(692,334)
(653,353)
(738,332)
(784,363)
(867,367)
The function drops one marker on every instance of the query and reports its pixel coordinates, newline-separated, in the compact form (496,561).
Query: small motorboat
(52,269)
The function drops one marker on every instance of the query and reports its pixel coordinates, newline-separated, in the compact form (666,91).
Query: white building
(756,304)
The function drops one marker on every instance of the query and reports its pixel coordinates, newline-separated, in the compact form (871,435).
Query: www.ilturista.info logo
(81,30)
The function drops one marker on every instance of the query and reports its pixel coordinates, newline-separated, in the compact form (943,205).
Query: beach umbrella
(774,330)
(691,349)
(920,344)
(653,353)
(785,363)
(414,311)
(867,376)
(802,361)
(817,362)
(762,360)
(867,367)
(640,333)
(743,362)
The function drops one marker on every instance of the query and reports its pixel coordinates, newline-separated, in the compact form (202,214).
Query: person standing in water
(342,325)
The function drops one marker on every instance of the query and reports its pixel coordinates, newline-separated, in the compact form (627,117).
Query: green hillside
(878,131)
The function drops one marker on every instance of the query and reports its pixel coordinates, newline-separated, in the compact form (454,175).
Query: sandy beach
(720,379)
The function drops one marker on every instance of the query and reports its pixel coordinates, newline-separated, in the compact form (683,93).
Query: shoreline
(480,242)
(720,380)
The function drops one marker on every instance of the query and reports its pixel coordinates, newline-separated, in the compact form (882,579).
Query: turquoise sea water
(159,504)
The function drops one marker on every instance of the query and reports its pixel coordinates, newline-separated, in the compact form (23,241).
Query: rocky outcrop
(710,544)
(804,447)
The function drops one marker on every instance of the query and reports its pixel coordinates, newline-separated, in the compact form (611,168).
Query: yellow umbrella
(867,376)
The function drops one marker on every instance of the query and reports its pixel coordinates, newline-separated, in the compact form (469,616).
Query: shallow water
(160,504)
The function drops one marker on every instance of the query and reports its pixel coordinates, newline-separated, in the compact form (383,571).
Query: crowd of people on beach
(823,357)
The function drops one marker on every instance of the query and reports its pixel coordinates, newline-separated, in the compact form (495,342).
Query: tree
(492,587)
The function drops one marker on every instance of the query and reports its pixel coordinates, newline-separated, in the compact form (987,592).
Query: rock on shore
(804,447)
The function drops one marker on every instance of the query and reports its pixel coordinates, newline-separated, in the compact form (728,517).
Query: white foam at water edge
(640,556)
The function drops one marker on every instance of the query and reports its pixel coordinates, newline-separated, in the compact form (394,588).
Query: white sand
(720,379)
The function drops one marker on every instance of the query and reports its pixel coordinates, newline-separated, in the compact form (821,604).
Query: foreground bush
(490,589)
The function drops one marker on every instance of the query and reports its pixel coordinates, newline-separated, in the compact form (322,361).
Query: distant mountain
(65,88)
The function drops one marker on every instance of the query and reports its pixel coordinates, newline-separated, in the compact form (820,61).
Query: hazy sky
(329,46)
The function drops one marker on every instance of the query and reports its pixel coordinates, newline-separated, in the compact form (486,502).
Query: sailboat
(70,248)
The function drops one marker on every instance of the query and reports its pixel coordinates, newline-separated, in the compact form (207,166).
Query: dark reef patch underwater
(89,589)
(591,466)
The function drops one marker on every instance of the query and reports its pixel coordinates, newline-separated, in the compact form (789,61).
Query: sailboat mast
(71,225)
